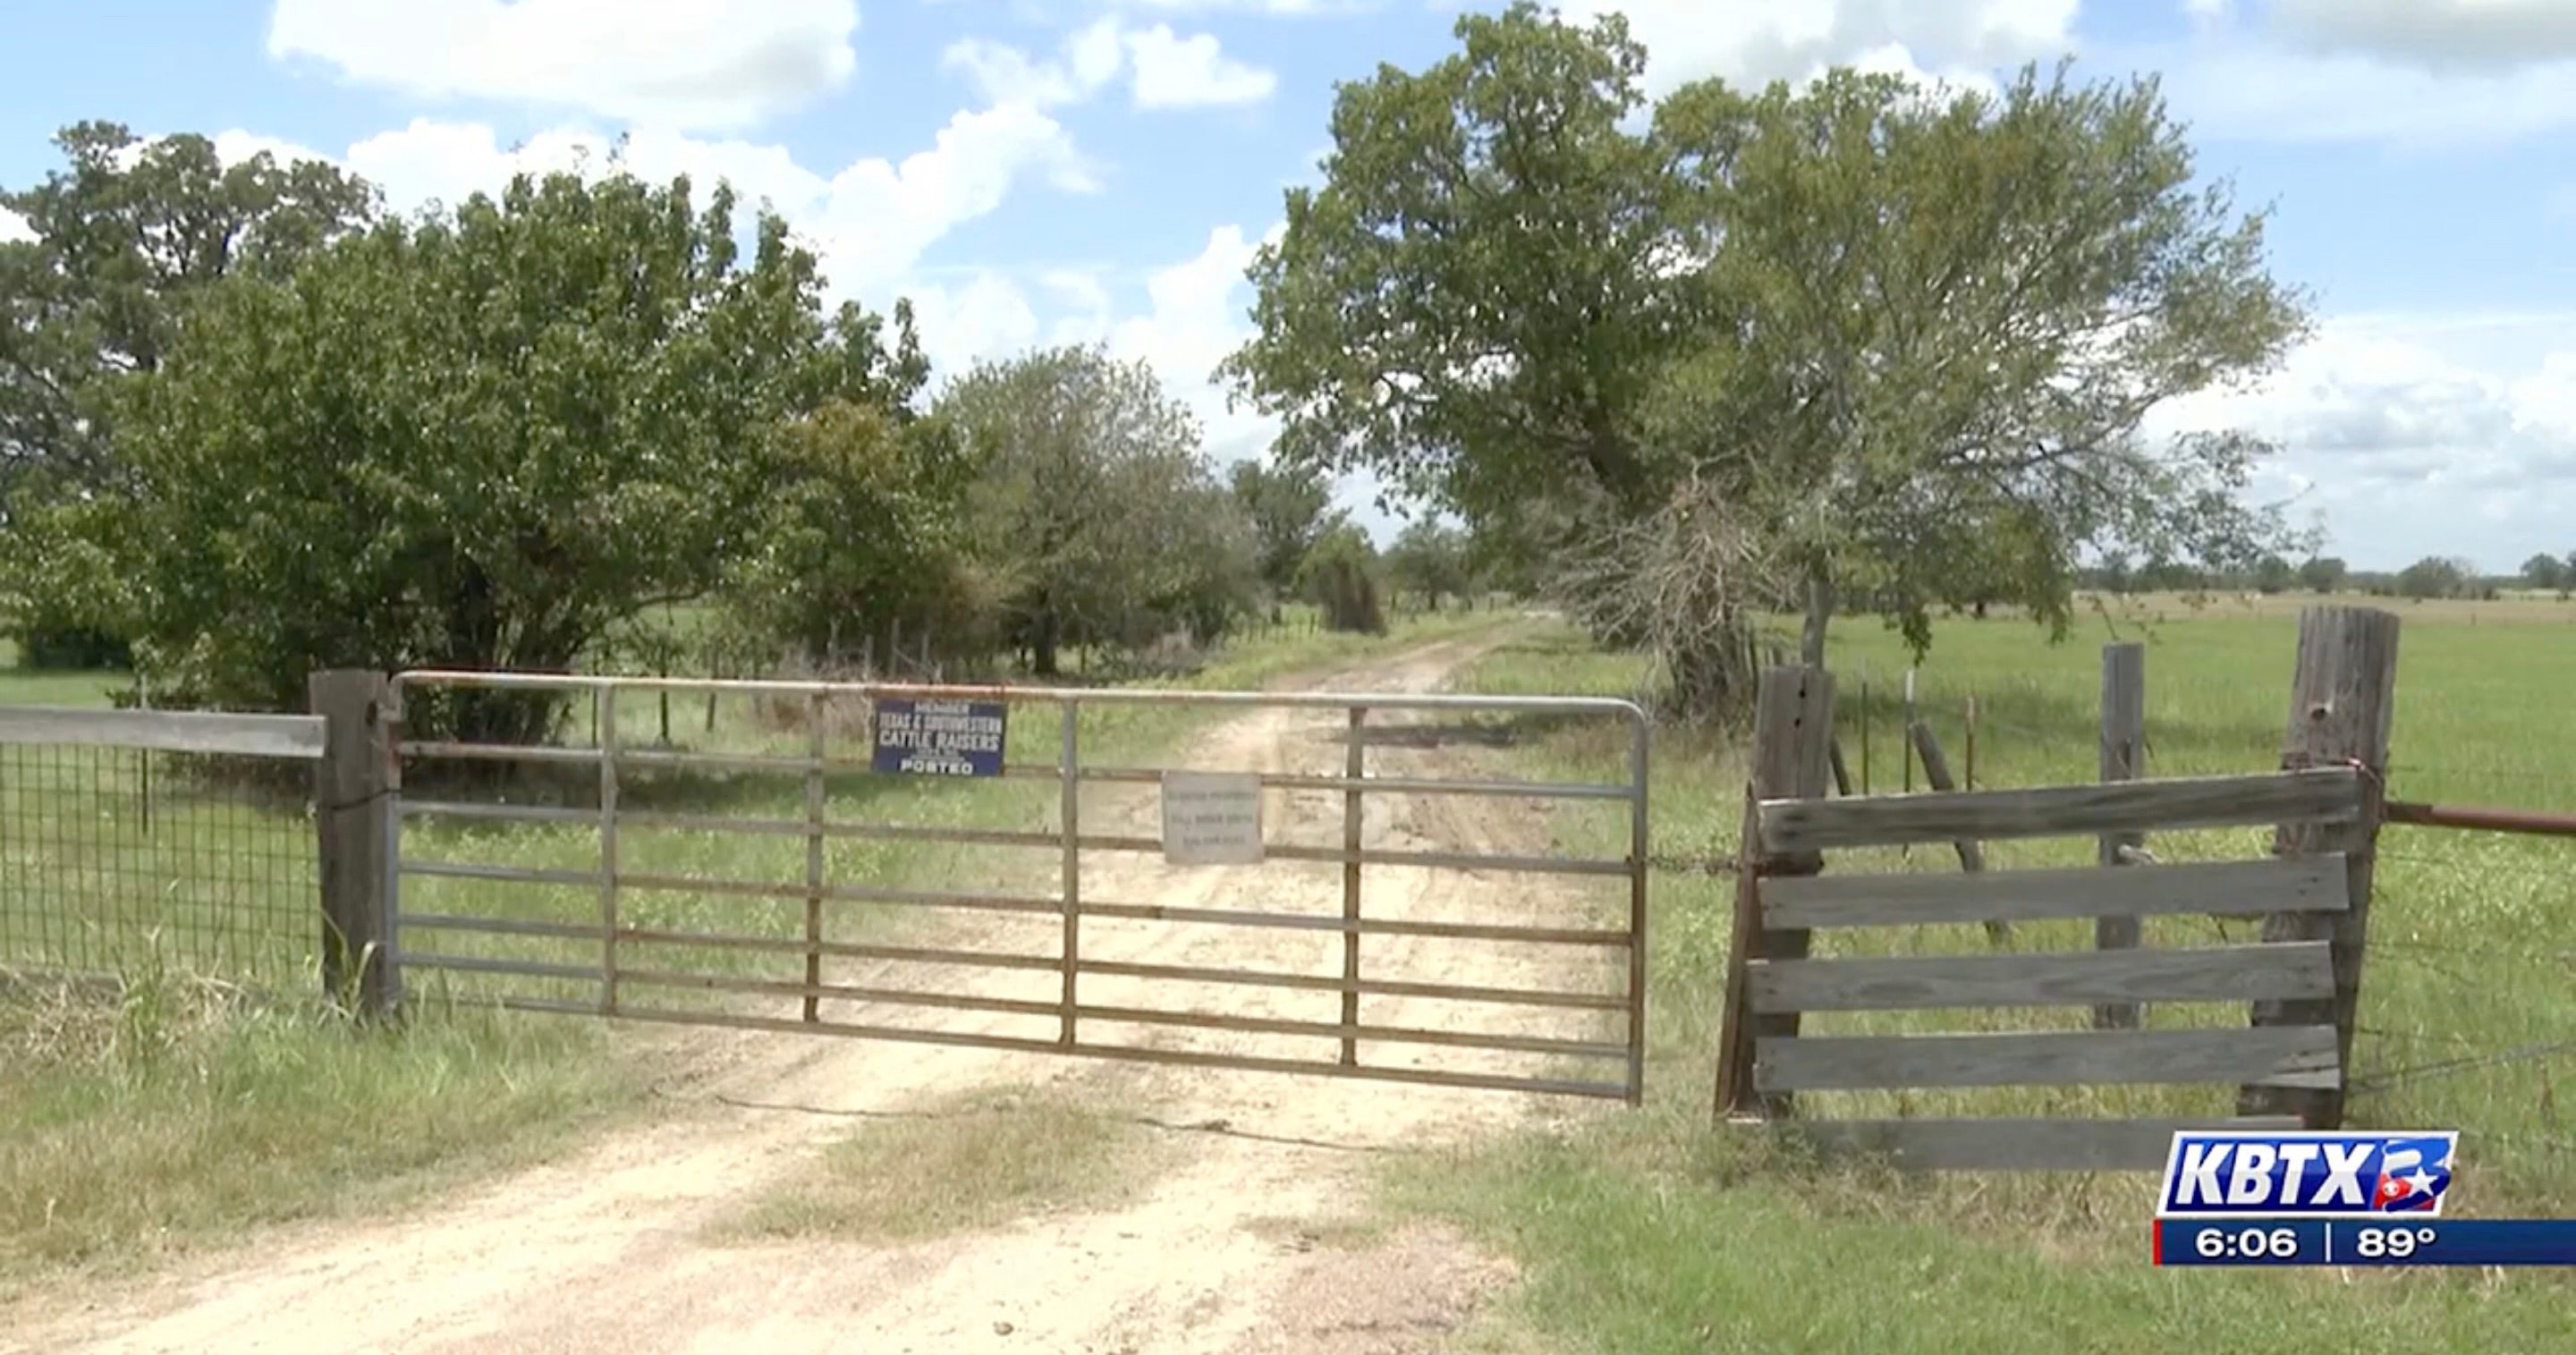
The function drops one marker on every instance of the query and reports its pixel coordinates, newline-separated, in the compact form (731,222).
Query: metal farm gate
(743,871)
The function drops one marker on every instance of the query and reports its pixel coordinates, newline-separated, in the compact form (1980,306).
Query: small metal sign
(939,737)
(1212,818)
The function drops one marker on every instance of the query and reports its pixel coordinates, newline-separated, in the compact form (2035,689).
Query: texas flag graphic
(2413,1173)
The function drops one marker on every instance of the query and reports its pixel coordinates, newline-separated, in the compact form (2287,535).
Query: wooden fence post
(1936,776)
(350,786)
(2341,701)
(1793,730)
(2124,740)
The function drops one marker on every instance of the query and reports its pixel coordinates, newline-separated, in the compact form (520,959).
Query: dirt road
(610,1250)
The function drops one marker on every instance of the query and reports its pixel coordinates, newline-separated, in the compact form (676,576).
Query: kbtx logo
(2305,1175)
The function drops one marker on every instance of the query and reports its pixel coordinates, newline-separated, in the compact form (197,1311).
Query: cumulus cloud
(2416,73)
(1165,70)
(1280,8)
(871,221)
(2252,91)
(2434,34)
(1764,40)
(13,227)
(1091,58)
(1177,72)
(680,63)
(2400,427)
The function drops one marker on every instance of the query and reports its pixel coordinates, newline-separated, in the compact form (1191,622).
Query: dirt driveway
(609,1249)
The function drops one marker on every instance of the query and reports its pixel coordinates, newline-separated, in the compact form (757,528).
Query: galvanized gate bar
(616,936)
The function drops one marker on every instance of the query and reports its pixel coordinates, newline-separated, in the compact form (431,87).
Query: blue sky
(1039,170)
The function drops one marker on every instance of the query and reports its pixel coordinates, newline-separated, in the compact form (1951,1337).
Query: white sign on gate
(1212,818)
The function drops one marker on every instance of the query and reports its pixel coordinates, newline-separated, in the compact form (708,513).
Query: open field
(193,1110)
(1247,1213)
(1650,1234)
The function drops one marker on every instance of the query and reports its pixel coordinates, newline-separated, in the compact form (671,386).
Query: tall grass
(1654,1232)
(175,1112)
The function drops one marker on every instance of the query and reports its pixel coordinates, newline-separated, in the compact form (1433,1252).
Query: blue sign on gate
(939,738)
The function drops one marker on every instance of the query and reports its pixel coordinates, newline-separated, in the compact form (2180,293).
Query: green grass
(182,1114)
(178,1113)
(979,1161)
(1653,1232)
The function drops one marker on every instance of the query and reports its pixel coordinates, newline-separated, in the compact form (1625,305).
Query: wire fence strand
(118,861)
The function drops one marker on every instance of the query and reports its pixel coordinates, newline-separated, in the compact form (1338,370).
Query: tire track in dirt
(606,1250)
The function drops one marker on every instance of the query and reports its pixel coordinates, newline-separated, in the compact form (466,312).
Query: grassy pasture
(1652,1233)
(189,1108)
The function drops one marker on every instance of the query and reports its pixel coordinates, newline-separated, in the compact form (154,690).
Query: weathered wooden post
(1793,729)
(350,789)
(2124,741)
(2341,701)
(1936,776)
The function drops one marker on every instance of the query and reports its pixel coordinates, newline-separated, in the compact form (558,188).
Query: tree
(2272,574)
(1340,574)
(1289,510)
(866,535)
(478,439)
(119,241)
(2544,571)
(1429,560)
(1470,304)
(2434,577)
(2323,574)
(1095,502)
(1910,339)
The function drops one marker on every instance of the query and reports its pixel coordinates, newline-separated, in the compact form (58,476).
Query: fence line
(135,841)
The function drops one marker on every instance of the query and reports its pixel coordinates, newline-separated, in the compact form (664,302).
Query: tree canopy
(1290,510)
(121,238)
(1095,504)
(1902,341)
(478,438)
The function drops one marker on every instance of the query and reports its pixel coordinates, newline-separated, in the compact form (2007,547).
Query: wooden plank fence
(2288,1062)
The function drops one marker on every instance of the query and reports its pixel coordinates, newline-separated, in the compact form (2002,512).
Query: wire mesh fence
(120,860)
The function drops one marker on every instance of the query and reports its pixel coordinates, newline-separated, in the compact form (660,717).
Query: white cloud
(1759,41)
(1165,70)
(871,221)
(2434,34)
(2402,426)
(14,227)
(999,73)
(1177,72)
(2247,90)
(2415,73)
(1281,8)
(235,146)
(674,63)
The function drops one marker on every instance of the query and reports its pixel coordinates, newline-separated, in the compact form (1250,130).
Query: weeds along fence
(2006,1050)
(142,841)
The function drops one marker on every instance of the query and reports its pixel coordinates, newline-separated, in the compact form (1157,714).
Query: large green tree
(2544,571)
(1475,303)
(480,438)
(1429,560)
(1878,340)
(1096,504)
(865,537)
(1290,510)
(120,238)
(118,241)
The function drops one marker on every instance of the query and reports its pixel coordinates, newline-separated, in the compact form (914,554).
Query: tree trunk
(1820,612)
(1042,645)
